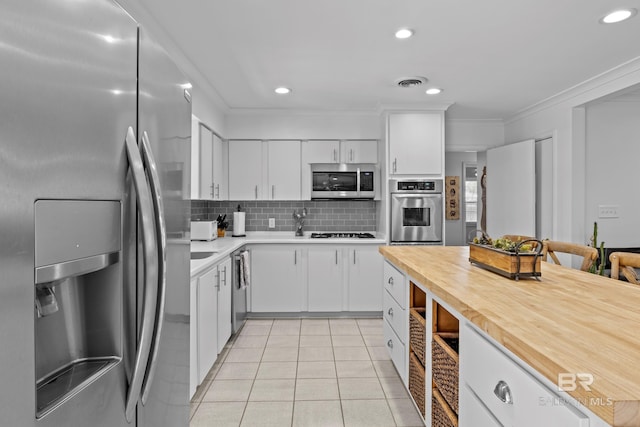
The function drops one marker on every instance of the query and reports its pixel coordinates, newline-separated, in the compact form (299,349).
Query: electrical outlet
(608,211)
(272,223)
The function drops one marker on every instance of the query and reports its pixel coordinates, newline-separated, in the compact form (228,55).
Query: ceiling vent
(411,81)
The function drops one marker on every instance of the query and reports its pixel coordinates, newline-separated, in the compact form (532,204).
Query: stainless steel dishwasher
(239,294)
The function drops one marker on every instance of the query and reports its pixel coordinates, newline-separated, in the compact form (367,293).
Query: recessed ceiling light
(282,90)
(404,33)
(433,91)
(618,16)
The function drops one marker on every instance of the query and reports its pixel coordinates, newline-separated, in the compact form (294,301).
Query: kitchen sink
(202,255)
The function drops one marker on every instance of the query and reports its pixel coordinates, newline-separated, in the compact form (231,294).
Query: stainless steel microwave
(344,181)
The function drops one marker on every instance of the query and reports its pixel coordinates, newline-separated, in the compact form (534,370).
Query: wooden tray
(513,265)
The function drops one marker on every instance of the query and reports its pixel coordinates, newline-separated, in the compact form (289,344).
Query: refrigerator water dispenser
(78,296)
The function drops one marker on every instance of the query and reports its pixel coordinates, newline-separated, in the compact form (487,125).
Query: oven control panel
(416,186)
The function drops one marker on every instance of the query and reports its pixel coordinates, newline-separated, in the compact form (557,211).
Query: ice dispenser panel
(78,296)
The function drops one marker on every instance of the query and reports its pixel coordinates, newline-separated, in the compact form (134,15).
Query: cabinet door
(206,163)
(365,278)
(316,152)
(416,143)
(224,303)
(276,285)
(207,322)
(359,151)
(245,170)
(193,337)
(325,279)
(284,170)
(219,169)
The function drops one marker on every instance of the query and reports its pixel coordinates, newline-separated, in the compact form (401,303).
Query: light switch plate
(272,223)
(608,211)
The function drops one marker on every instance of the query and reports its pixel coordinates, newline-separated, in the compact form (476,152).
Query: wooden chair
(589,254)
(625,263)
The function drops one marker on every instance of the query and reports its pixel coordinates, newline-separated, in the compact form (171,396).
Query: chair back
(588,254)
(625,263)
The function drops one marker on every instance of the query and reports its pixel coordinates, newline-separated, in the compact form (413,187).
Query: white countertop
(224,246)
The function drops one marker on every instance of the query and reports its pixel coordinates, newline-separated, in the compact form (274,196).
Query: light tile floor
(304,372)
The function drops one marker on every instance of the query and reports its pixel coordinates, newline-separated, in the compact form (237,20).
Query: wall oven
(416,211)
(344,181)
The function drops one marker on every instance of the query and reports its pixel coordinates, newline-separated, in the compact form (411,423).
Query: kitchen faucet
(299,217)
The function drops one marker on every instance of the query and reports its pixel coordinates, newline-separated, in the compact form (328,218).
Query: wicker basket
(445,366)
(417,331)
(416,381)
(441,414)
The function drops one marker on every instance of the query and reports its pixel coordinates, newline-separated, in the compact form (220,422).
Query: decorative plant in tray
(512,259)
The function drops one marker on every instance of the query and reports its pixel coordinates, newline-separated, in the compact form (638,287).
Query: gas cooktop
(342,236)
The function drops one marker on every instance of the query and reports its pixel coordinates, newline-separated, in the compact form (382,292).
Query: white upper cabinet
(320,151)
(359,151)
(245,170)
(283,166)
(208,163)
(416,143)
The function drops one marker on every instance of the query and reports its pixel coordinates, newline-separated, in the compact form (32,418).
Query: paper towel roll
(238,224)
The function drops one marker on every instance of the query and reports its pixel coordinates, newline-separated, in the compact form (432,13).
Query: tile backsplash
(322,215)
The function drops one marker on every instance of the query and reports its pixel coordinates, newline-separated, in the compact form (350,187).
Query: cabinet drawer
(396,350)
(394,284)
(473,412)
(396,316)
(532,404)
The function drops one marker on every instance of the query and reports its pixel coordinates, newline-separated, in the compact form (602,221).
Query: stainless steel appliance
(416,211)
(95,176)
(204,230)
(239,294)
(344,181)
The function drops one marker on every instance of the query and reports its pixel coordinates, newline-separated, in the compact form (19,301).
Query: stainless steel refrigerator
(94,220)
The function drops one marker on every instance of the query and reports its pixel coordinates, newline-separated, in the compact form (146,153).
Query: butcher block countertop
(568,322)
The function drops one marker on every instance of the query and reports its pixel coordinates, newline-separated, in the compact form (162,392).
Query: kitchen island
(572,333)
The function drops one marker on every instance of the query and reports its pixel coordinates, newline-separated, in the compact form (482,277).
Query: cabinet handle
(354,257)
(390,344)
(224,272)
(335,157)
(390,311)
(295,257)
(217,191)
(273,192)
(395,164)
(390,281)
(212,195)
(336,257)
(503,392)
(256,192)
(351,154)
(218,281)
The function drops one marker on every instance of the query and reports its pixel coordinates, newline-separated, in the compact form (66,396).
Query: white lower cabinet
(207,322)
(396,349)
(276,281)
(325,279)
(224,303)
(396,320)
(364,265)
(193,337)
(473,412)
(512,395)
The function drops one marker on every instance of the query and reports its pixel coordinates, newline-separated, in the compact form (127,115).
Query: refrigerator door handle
(150,254)
(156,196)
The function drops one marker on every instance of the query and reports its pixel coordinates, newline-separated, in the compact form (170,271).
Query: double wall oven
(416,211)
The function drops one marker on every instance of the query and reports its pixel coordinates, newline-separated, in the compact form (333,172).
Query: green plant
(599,268)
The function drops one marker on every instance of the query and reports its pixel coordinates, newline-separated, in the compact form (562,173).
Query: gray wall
(324,215)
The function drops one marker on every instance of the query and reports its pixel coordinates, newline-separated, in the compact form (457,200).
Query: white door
(511,190)
(284,170)
(245,170)
(206,163)
(224,303)
(207,322)
(359,151)
(325,279)
(276,285)
(365,278)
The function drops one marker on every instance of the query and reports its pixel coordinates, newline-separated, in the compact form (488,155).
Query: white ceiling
(492,58)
